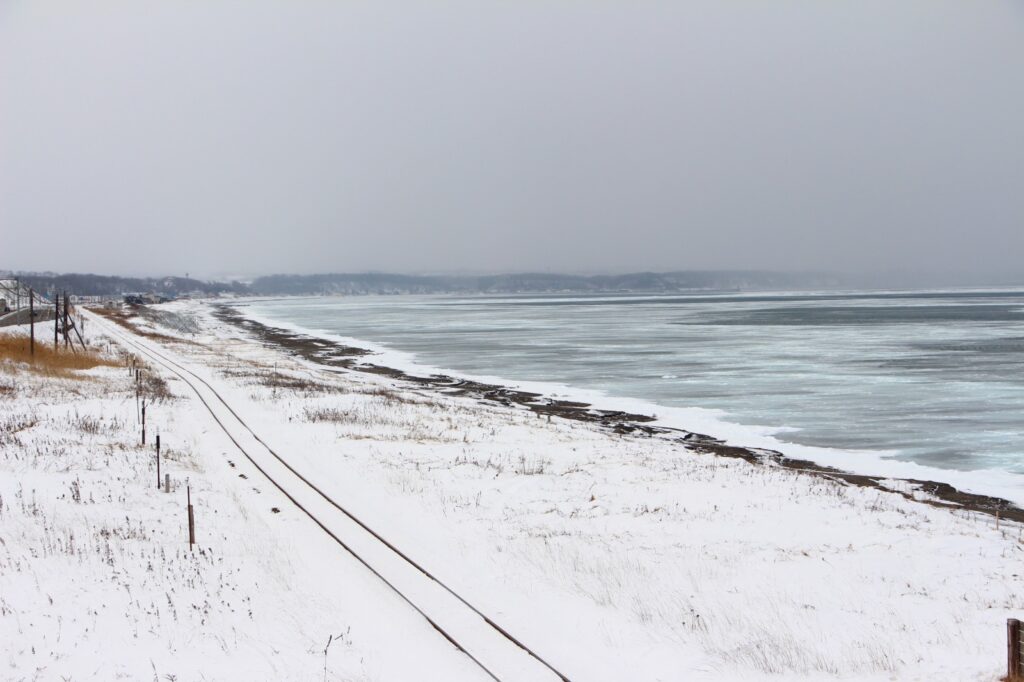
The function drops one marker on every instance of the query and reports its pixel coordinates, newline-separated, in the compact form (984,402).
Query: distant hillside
(383,283)
(380,283)
(104,285)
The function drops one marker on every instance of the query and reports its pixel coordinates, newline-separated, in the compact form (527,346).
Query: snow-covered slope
(615,557)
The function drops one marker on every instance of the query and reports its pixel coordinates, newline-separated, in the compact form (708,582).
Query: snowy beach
(611,555)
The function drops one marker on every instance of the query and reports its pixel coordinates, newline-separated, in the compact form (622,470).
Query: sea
(920,384)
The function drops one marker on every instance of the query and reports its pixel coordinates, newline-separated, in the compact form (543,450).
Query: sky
(224,138)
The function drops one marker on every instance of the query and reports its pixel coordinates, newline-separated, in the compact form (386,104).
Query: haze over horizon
(265,137)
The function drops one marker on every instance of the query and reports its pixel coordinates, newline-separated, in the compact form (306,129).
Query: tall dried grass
(62,361)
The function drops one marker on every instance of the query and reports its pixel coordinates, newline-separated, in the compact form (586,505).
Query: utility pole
(31,324)
(67,337)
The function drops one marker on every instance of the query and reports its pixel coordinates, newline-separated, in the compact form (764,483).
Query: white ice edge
(876,463)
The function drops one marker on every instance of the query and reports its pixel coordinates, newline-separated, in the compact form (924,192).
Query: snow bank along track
(497,652)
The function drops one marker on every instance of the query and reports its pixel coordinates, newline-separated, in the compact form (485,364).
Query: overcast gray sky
(164,137)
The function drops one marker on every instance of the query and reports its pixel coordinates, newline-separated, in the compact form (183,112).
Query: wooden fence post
(158,461)
(191,519)
(56,317)
(143,421)
(1013,650)
(167,483)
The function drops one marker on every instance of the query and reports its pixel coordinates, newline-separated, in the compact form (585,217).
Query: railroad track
(498,653)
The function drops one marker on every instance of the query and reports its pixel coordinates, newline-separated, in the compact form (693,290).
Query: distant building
(144,299)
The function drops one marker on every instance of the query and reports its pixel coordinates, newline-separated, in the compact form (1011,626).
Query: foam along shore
(621,553)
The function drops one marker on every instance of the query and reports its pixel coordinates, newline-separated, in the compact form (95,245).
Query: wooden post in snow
(191,519)
(143,421)
(158,461)
(56,317)
(167,483)
(1014,668)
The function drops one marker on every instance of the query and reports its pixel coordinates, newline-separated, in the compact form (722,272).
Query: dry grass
(285,382)
(326,414)
(277,381)
(63,362)
(152,386)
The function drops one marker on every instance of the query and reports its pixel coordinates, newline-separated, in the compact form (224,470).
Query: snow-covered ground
(615,557)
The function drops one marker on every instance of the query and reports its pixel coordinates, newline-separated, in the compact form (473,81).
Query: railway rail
(498,653)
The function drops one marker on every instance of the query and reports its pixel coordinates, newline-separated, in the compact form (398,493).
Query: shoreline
(329,353)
